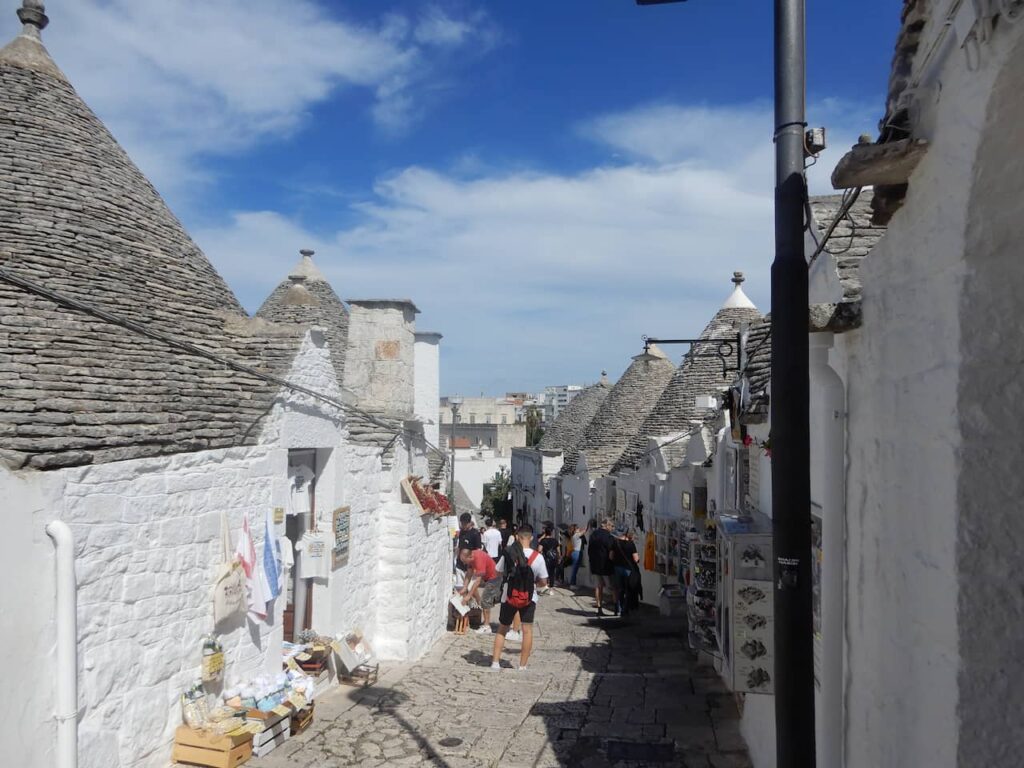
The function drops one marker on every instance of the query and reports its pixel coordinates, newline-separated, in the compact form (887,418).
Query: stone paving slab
(596,693)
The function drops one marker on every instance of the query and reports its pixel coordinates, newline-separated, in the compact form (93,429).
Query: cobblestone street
(596,694)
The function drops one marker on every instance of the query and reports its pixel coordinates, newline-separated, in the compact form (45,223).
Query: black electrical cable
(192,349)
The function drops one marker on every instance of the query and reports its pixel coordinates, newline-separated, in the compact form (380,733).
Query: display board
(341,527)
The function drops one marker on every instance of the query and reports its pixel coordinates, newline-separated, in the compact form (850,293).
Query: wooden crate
(274,735)
(302,719)
(210,750)
(362,676)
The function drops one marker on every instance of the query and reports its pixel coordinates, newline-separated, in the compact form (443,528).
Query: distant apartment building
(557,398)
(493,423)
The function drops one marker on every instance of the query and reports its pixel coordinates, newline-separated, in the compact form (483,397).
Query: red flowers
(748,440)
(430,501)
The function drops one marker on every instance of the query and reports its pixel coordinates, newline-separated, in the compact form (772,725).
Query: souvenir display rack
(702,582)
(745,602)
(667,552)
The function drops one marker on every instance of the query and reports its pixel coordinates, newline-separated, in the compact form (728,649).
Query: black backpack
(519,584)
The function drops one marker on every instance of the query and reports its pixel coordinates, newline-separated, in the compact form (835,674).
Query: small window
(472,418)
(504,419)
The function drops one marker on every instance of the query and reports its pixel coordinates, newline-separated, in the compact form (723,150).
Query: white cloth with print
(315,553)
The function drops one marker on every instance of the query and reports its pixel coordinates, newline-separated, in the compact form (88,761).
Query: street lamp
(455,403)
(790,394)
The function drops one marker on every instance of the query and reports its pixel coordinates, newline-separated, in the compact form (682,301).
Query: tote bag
(229,585)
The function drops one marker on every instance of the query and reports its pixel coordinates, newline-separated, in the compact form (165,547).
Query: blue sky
(547,179)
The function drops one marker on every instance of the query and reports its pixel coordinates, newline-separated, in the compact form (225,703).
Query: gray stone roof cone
(698,374)
(622,413)
(567,430)
(306,298)
(78,219)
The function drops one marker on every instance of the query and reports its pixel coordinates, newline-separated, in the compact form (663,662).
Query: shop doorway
(301,511)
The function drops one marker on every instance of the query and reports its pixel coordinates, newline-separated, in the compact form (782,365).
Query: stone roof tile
(700,373)
(622,413)
(852,239)
(306,298)
(78,218)
(567,430)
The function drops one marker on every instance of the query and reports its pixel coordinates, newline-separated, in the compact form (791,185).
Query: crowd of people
(509,569)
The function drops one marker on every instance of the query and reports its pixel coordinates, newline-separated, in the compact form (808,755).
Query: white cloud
(538,277)
(178,79)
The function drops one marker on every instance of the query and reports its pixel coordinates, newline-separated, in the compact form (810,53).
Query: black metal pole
(790,392)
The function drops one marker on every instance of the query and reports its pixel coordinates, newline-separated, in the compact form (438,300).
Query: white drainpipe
(828,411)
(67,645)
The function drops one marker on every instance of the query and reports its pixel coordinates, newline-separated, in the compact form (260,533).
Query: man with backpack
(602,568)
(552,552)
(524,569)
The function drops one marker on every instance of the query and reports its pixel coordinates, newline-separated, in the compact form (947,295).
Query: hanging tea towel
(253,580)
(271,559)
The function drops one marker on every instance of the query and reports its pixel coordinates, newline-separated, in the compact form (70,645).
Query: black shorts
(508,613)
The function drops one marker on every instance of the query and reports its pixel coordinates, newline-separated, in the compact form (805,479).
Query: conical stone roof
(306,298)
(78,218)
(567,430)
(676,409)
(622,413)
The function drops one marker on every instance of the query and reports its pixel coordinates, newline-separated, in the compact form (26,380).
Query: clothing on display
(314,563)
(254,580)
(650,546)
(300,482)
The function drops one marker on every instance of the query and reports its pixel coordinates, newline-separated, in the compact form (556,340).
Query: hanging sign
(278,515)
(341,522)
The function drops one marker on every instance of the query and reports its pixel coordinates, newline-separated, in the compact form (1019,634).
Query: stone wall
(381,355)
(918,692)
(146,546)
(427,359)
(414,581)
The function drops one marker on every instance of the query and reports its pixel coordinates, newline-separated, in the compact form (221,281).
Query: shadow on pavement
(646,702)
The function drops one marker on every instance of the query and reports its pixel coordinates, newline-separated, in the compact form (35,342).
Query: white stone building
(913,368)
(536,489)
(138,404)
(557,399)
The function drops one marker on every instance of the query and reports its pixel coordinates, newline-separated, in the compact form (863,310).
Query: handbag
(229,583)
(633,580)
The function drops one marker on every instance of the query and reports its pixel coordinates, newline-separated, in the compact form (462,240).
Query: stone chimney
(428,383)
(380,365)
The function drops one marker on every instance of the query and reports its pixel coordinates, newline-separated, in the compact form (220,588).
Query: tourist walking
(627,571)
(579,541)
(524,570)
(552,552)
(601,566)
(491,539)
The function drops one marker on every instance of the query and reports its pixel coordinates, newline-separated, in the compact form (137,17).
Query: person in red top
(483,584)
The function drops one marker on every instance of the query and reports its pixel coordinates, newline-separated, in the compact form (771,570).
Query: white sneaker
(495,665)
(483,629)
(524,669)
(513,635)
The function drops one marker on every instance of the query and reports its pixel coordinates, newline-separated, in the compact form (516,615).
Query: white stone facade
(147,544)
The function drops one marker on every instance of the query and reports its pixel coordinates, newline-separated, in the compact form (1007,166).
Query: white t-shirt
(540,571)
(314,552)
(491,539)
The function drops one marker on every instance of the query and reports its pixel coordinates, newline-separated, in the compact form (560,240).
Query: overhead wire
(849,198)
(192,349)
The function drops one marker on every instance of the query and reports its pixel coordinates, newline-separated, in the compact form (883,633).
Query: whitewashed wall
(147,547)
(413,582)
(427,360)
(472,472)
(931,653)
